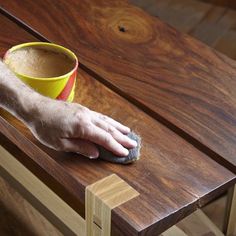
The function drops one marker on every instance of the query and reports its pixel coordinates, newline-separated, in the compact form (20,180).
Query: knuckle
(103,117)
(83,119)
(82,132)
(84,109)
(85,129)
(81,112)
(78,116)
(108,138)
(111,130)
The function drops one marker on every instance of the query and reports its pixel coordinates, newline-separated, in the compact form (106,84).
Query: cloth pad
(133,155)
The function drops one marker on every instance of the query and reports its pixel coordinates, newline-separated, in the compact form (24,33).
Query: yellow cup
(61,87)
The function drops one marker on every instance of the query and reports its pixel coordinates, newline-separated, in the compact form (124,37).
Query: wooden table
(176,92)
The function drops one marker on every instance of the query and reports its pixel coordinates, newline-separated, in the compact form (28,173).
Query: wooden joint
(100,198)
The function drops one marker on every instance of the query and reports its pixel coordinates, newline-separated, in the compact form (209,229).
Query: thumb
(86,148)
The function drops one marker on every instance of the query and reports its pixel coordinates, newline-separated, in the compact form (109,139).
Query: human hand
(71,127)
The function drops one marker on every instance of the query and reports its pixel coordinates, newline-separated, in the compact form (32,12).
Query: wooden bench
(171,89)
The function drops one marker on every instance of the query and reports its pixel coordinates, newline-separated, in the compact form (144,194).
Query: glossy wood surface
(179,81)
(172,177)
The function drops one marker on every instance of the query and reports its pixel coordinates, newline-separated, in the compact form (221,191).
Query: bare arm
(60,125)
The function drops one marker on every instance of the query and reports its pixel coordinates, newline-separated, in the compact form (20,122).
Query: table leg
(101,197)
(59,213)
(230,213)
(197,223)
(174,231)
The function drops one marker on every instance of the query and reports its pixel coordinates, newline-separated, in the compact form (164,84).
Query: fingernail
(134,143)
(127,128)
(125,152)
(92,157)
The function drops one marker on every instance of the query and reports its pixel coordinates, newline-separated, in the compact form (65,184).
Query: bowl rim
(46,45)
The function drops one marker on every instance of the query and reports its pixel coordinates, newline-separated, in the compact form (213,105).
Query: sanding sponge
(133,155)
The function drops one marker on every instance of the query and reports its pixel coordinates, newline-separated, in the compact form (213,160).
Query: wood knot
(129,26)
(122,29)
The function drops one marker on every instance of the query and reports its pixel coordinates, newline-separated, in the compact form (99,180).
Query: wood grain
(179,81)
(19,213)
(100,198)
(172,177)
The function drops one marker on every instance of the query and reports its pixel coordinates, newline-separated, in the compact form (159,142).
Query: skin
(60,125)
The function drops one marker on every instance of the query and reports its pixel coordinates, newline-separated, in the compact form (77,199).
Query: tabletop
(174,91)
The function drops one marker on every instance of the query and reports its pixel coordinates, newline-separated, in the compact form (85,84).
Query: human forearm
(16,97)
(61,125)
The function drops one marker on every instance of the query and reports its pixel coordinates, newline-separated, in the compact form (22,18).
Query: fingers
(122,128)
(103,138)
(116,134)
(80,146)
